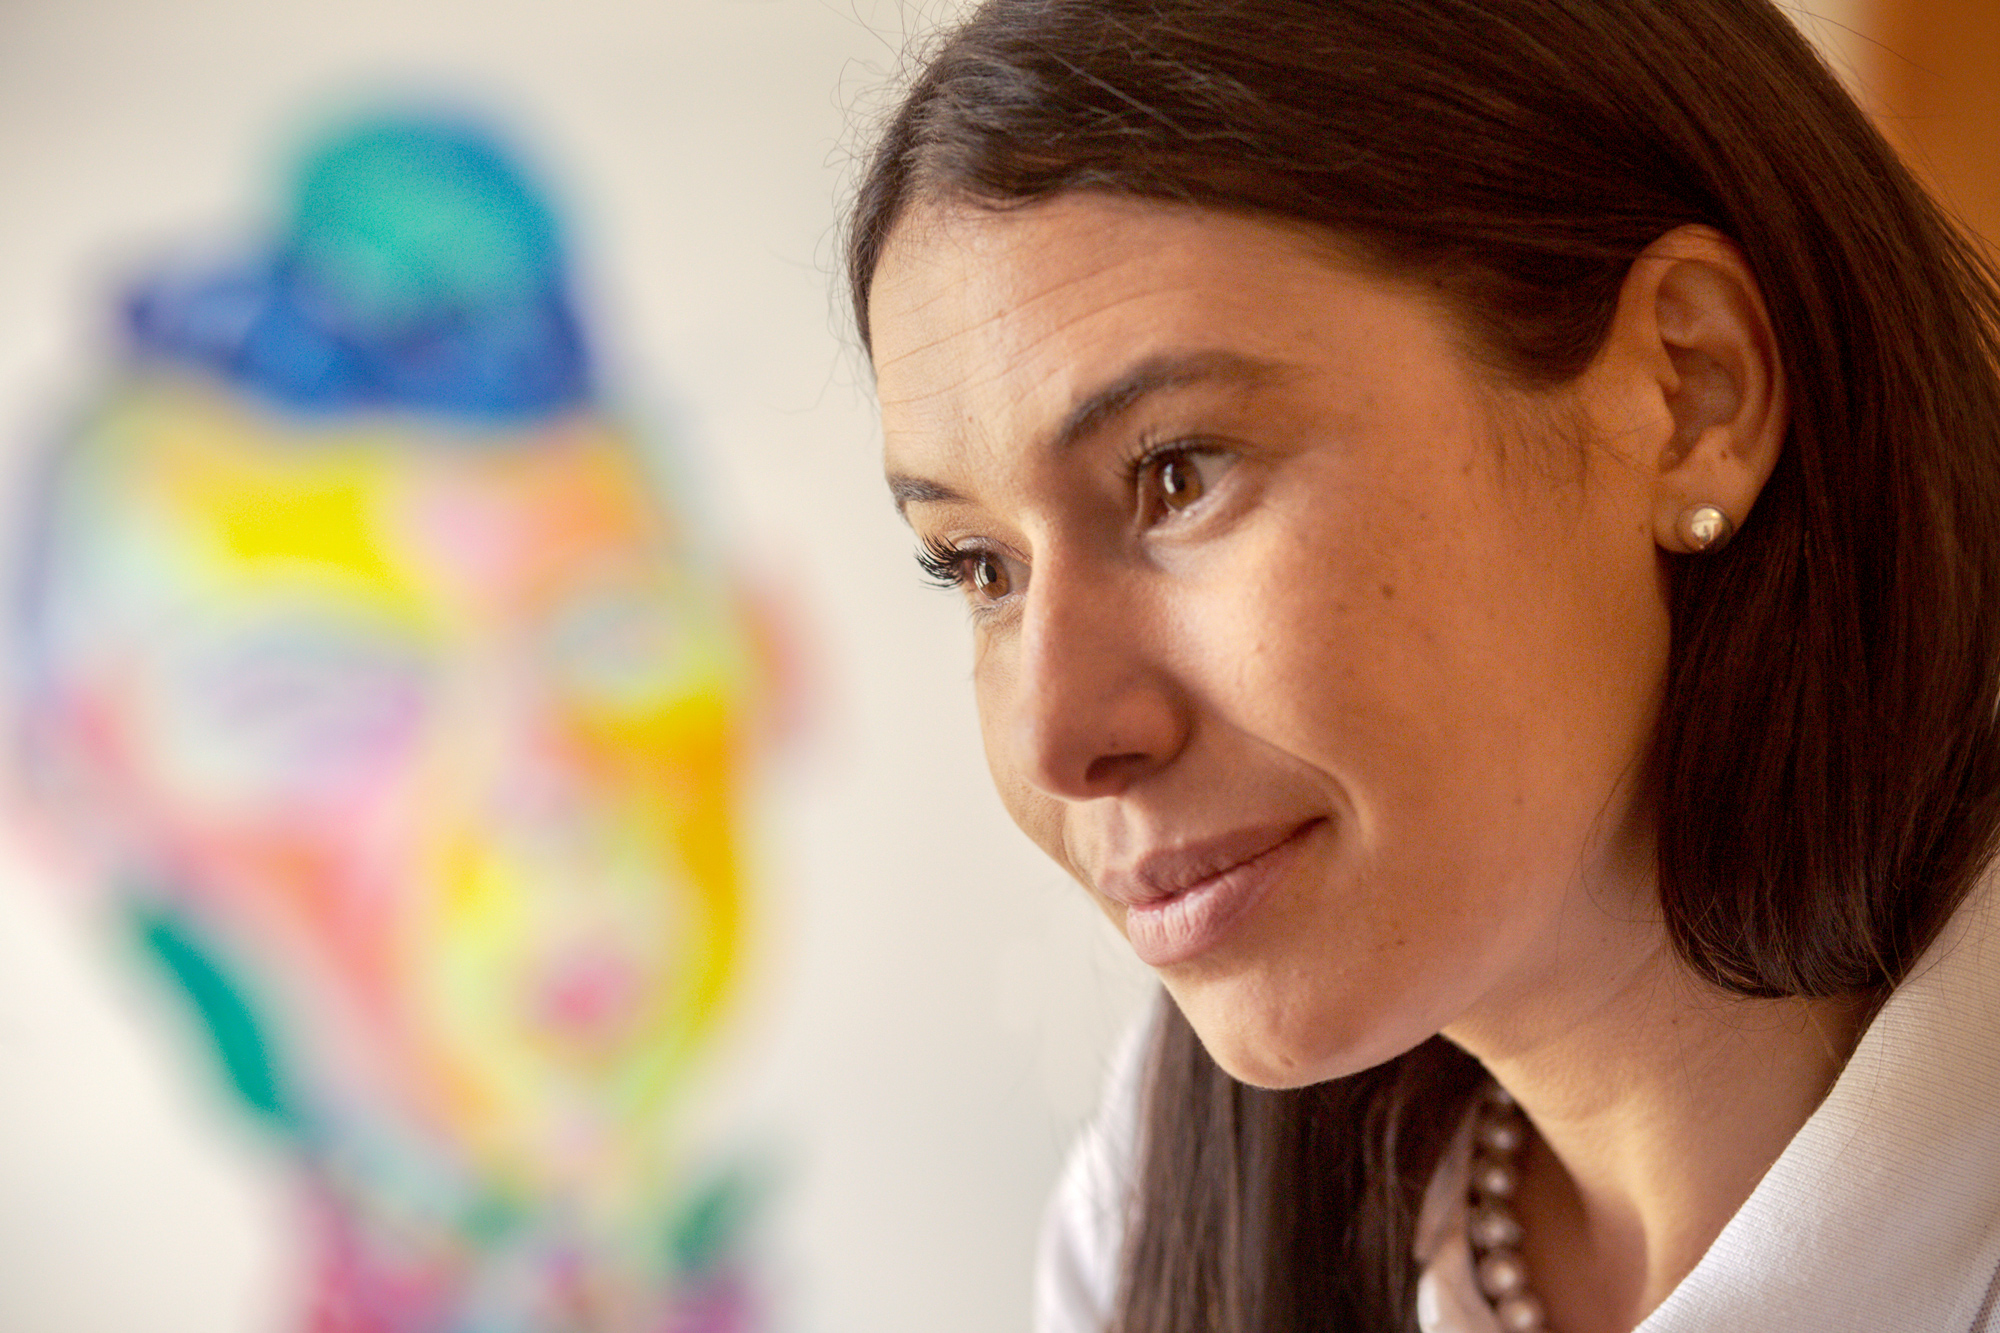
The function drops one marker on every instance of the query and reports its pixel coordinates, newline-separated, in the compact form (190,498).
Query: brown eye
(989,577)
(1180,481)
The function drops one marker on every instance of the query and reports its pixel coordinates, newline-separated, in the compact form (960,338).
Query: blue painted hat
(421,272)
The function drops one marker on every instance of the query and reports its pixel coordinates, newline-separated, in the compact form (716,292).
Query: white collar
(1882,1213)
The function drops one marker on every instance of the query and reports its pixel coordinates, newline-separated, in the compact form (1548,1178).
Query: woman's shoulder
(1083,1231)
(1884,1210)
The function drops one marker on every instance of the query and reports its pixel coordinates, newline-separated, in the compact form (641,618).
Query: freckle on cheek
(1388,591)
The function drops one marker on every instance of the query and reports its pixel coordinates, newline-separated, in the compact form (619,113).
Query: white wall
(935,1000)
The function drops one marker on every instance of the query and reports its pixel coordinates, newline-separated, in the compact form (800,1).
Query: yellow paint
(248,503)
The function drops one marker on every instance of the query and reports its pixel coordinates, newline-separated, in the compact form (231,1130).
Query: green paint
(489,1220)
(231,1022)
(717,1215)
(397,218)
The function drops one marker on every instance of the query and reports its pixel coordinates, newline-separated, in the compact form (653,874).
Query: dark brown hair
(1825,770)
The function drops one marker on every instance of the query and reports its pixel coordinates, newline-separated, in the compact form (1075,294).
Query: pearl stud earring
(1705,528)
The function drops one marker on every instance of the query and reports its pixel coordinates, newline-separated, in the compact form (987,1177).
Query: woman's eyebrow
(906,490)
(1156,374)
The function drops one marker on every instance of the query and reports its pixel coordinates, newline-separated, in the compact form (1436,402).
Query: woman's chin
(1276,1047)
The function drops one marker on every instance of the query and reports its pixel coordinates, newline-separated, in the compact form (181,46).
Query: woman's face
(439,731)
(1326,663)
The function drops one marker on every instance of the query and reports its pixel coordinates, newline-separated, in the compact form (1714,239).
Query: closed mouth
(1169,873)
(1181,904)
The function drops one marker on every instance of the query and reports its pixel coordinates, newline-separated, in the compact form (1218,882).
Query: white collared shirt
(1882,1214)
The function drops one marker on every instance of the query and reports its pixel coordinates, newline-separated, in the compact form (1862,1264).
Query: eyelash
(943,565)
(1150,450)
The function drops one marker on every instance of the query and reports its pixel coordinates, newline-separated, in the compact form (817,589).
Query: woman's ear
(1694,341)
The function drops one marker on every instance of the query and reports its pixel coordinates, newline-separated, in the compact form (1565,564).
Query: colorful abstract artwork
(408,719)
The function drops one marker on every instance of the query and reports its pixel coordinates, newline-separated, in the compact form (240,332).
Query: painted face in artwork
(447,724)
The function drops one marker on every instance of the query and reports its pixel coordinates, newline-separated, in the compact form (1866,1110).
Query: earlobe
(1692,298)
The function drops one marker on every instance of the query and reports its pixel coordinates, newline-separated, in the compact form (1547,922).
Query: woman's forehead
(992,328)
(960,269)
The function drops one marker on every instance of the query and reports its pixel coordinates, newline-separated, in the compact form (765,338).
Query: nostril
(1112,771)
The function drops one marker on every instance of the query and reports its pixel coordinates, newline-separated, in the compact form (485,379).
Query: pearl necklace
(1499,1132)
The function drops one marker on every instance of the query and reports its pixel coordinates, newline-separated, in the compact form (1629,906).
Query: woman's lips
(1181,903)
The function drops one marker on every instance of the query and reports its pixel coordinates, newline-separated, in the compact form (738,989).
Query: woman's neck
(1658,1104)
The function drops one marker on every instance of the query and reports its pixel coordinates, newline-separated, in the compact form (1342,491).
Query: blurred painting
(406,718)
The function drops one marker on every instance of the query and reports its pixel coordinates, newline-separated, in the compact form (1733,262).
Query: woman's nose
(1093,709)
